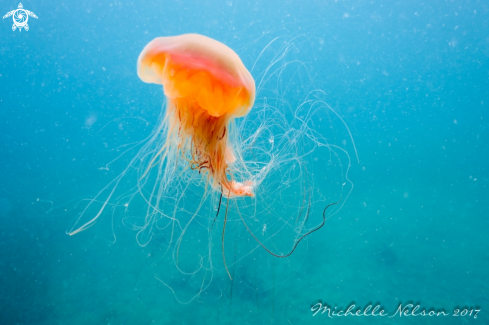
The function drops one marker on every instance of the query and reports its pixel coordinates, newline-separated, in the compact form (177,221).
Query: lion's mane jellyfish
(275,167)
(206,86)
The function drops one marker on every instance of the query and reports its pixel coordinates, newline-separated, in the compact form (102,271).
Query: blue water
(411,81)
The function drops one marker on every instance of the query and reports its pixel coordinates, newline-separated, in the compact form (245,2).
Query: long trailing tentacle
(296,243)
(218,209)
(222,238)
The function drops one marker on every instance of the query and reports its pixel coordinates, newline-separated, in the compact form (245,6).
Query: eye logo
(20,17)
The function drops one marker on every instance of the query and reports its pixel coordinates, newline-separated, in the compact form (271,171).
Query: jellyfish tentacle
(218,209)
(297,242)
(222,238)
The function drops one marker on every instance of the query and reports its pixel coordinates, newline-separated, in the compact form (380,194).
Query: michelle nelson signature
(408,310)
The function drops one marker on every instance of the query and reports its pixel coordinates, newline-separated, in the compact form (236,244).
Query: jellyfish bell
(184,63)
(206,86)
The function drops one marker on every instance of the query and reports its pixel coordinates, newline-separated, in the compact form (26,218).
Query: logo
(20,17)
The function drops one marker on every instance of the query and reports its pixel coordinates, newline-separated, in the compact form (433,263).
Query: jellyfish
(215,141)
(206,86)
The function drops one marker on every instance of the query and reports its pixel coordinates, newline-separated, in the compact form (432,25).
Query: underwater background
(409,78)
